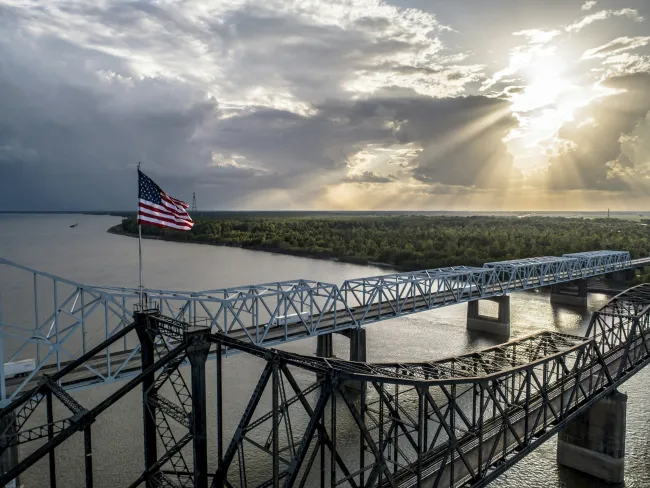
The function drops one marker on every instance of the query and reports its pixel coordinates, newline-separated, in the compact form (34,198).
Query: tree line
(412,242)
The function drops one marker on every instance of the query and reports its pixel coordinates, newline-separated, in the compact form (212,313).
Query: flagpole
(140,249)
(140,260)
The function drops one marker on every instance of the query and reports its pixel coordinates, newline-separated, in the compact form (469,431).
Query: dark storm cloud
(77,114)
(69,138)
(368,177)
(594,159)
(69,142)
(461,137)
(462,141)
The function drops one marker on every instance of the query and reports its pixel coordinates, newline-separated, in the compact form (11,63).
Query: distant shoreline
(117,230)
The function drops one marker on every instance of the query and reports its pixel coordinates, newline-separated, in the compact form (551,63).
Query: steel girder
(68,318)
(382,297)
(174,414)
(535,272)
(453,422)
(599,262)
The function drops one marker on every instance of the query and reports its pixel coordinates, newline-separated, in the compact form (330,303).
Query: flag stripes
(158,209)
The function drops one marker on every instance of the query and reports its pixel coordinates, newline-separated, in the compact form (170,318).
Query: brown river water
(88,254)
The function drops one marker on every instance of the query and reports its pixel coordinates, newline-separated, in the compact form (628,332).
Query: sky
(326,105)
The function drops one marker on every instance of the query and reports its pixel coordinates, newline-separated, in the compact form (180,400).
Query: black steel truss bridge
(311,421)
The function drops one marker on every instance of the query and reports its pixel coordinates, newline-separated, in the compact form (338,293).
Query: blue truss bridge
(65,319)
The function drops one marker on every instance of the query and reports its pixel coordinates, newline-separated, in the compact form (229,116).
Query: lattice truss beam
(453,422)
(69,318)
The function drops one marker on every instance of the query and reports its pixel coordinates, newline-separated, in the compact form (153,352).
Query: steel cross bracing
(456,422)
(55,320)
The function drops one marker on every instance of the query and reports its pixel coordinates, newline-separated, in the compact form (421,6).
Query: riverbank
(409,243)
(119,230)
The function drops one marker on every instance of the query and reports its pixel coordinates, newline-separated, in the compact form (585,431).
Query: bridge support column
(9,457)
(594,442)
(357,353)
(147,357)
(623,275)
(499,325)
(357,344)
(197,353)
(324,346)
(573,293)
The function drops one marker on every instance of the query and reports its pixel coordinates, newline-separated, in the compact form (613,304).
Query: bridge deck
(246,313)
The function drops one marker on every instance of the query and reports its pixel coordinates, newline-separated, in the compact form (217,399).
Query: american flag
(157,208)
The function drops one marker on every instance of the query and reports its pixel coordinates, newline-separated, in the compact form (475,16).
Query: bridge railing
(601,262)
(49,321)
(391,295)
(53,320)
(257,310)
(531,273)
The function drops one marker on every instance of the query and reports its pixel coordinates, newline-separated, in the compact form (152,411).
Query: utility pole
(194,202)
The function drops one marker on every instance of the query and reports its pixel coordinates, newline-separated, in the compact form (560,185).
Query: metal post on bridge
(3,384)
(147,355)
(9,456)
(197,352)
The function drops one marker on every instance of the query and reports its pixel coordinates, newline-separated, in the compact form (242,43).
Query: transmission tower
(194,202)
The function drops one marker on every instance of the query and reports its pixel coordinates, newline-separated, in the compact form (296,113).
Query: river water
(88,254)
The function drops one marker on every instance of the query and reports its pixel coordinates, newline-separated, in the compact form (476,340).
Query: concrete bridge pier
(572,293)
(622,275)
(325,349)
(499,325)
(594,442)
(324,346)
(357,353)
(357,344)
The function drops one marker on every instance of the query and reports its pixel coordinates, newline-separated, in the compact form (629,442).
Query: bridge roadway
(329,322)
(98,371)
(496,432)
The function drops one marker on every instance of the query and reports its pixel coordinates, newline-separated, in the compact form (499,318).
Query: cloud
(368,177)
(76,127)
(231,97)
(465,147)
(521,57)
(625,64)
(616,46)
(594,157)
(304,51)
(538,36)
(460,138)
(257,104)
(588,5)
(630,13)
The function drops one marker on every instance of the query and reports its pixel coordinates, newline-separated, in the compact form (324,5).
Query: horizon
(393,105)
(531,212)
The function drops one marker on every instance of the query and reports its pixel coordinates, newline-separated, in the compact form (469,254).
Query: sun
(547,100)
(547,86)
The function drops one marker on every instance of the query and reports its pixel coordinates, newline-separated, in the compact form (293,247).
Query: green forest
(411,242)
